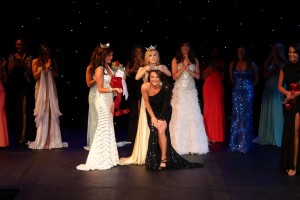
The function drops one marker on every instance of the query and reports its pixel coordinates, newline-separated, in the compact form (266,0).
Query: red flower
(294,88)
(117,63)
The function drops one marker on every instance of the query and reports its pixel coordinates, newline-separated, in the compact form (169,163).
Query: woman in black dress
(157,94)
(290,76)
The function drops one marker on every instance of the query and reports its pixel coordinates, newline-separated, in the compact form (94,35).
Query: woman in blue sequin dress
(244,76)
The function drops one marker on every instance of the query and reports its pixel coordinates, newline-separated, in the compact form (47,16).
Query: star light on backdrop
(74,28)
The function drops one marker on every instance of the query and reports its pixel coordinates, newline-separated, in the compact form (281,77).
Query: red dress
(4,141)
(213,105)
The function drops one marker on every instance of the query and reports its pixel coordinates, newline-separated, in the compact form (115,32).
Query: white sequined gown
(103,153)
(187,129)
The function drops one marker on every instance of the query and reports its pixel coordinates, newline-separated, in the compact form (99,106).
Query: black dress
(291,75)
(134,90)
(160,104)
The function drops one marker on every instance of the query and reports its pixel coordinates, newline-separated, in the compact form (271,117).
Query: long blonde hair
(147,54)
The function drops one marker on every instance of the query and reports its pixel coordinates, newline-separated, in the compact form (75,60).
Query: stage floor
(51,174)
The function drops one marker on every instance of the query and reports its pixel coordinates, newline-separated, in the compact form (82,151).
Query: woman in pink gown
(4,141)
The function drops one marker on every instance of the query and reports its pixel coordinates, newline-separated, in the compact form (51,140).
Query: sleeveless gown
(242,111)
(213,109)
(103,153)
(271,113)
(46,101)
(4,140)
(92,115)
(140,147)
(187,128)
(160,104)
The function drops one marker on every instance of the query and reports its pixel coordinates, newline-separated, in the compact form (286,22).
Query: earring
(160,83)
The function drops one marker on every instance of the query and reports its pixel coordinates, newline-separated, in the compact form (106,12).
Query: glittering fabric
(160,104)
(103,153)
(242,110)
(187,128)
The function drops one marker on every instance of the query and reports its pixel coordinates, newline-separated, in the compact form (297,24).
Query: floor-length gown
(134,89)
(241,134)
(213,109)
(187,128)
(271,114)
(160,104)
(140,147)
(4,140)
(103,153)
(46,102)
(291,75)
(92,115)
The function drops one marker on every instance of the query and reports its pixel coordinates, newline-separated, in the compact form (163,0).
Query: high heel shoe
(22,140)
(292,172)
(163,164)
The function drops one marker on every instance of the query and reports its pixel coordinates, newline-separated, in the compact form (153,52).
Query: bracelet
(110,89)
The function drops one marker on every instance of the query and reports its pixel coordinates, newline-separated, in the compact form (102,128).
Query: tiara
(104,45)
(150,48)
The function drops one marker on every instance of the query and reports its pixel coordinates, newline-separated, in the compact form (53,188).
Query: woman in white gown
(103,153)
(187,128)
(140,147)
(46,110)
(91,83)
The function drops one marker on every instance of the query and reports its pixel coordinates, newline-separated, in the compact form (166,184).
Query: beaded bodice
(185,81)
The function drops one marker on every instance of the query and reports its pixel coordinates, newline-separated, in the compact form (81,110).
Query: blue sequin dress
(242,111)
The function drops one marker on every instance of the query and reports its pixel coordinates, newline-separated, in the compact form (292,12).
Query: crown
(104,45)
(151,47)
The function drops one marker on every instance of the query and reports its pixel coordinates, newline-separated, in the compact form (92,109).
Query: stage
(51,174)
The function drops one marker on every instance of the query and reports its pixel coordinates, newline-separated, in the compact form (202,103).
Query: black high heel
(163,164)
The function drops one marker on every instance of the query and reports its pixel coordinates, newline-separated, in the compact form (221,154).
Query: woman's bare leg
(296,145)
(162,141)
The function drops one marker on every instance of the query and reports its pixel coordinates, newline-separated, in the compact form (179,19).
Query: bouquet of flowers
(118,66)
(118,81)
(294,88)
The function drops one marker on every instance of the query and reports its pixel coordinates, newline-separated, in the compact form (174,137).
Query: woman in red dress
(213,98)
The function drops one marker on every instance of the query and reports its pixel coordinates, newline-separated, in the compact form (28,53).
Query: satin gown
(140,147)
(92,115)
(271,114)
(241,134)
(160,104)
(103,153)
(187,128)
(213,109)
(4,140)
(291,75)
(46,101)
